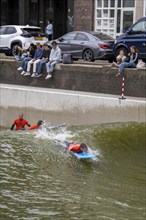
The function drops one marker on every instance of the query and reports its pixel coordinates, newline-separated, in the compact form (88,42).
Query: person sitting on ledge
(119,59)
(55,57)
(132,63)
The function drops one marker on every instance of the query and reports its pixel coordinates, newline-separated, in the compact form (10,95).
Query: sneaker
(20,68)
(27,74)
(38,74)
(48,77)
(23,72)
(33,75)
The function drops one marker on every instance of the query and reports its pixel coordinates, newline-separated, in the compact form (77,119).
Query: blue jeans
(126,65)
(24,63)
(50,66)
(39,66)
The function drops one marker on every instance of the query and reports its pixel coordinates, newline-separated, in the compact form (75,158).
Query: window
(99,3)
(98,13)
(128,3)
(70,36)
(127,19)
(105,3)
(105,13)
(112,3)
(139,27)
(10,30)
(112,13)
(118,21)
(2,29)
(81,36)
(119,3)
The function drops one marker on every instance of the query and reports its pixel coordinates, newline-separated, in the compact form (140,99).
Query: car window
(31,30)
(2,29)
(140,27)
(81,36)
(102,36)
(10,30)
(69,36)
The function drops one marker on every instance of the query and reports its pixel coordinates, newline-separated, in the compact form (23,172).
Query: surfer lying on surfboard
(77,148)
(80,151)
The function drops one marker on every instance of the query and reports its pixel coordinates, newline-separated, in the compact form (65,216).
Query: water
(40,182)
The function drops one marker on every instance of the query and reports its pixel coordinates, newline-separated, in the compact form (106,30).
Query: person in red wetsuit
(36,126)
(77,148)
(20,123)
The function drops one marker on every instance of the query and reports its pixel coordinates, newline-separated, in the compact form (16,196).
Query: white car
(13,35)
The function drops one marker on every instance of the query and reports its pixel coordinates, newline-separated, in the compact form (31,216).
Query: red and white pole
(123,87)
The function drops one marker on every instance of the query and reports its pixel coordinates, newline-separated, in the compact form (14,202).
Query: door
(65,42)
(127,18)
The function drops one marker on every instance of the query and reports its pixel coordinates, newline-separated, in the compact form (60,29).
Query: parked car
(88,46)
(13,35)
(135,35)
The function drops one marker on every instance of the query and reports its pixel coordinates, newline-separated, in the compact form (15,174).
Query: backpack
(67,58)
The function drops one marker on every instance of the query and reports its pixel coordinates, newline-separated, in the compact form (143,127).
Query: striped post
(123,85)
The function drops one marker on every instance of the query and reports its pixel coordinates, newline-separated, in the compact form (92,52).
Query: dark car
(135,35)
(88,46)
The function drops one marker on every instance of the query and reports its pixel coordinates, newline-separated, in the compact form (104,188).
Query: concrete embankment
(63,106)
(97,77)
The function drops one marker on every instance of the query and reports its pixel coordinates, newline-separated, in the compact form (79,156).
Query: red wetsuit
(35,126)
(20,124)
(74,148)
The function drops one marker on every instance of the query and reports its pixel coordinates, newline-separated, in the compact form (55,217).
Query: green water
(38,181)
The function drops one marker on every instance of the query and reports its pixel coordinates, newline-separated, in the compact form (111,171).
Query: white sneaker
(48,77)
(27,74)
(20,68)
(38,74)
(23,72)
(33,75)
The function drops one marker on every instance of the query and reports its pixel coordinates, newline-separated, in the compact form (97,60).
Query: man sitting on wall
(55,57)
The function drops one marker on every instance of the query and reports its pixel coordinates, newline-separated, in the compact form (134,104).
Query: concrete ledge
(62,106)
(80,77)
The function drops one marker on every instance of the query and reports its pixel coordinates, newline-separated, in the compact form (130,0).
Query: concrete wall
(62,106)
(89,77)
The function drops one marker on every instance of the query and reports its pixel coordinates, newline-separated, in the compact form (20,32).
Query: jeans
(50,66)
(39,66)
(34,65)
(25,62)
(125,65)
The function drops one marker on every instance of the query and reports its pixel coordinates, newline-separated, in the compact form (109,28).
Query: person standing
(20,123)
(49,30)
(132,62)
(55,57)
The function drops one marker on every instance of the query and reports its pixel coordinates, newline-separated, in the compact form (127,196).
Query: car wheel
(13,48)
(119,49)
(88,55)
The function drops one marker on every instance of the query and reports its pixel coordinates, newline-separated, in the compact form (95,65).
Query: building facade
(38,12)
(109,16)
(116,16)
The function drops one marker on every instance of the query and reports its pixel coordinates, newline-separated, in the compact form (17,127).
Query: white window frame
(114,29)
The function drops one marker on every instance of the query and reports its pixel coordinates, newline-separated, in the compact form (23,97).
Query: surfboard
(83,155)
